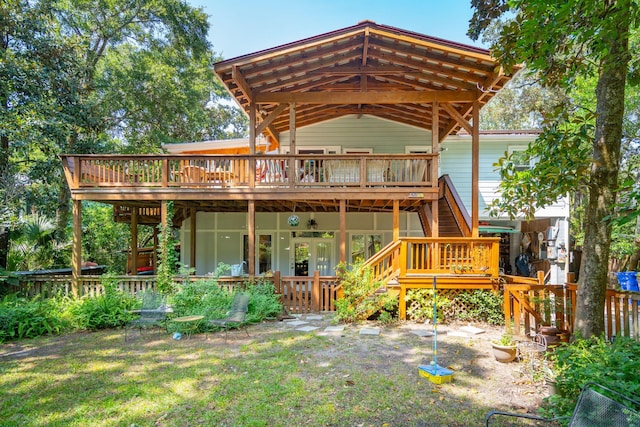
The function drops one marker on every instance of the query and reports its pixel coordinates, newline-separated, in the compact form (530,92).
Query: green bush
(420,305)
(614,365)
(263,302)
(207,298)
(108,310)
(360,301)
(28,318)
(482,306)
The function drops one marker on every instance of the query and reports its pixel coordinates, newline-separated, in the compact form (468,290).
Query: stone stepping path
(422,333)
(370,331)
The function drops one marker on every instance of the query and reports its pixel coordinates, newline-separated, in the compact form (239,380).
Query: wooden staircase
(453,218)
(457,262)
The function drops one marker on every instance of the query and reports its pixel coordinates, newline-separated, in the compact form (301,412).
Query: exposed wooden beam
(396,97)
(482,95)
(244,87)
(458,117)
(266,121)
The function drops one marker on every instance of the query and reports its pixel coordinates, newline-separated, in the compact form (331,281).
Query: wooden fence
(298,294)
(527,302)
(307,294)
(527,306)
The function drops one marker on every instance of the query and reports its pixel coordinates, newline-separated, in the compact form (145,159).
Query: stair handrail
(385,254)
(448,191)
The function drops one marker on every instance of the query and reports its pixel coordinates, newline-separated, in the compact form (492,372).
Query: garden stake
(434,372)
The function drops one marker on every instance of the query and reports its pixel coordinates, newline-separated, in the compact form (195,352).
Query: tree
(564,41)
(38,74)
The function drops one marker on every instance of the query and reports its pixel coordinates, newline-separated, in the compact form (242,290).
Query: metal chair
(598,406)
(236,314)
(153,312)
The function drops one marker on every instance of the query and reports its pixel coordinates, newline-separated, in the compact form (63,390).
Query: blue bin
(628,281)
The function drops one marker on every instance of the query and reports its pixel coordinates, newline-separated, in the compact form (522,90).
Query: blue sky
(239,27)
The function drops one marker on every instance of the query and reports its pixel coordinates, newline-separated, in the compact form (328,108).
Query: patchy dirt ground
(478,380)
(515,386)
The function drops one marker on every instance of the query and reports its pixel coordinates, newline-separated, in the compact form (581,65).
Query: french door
(310,254)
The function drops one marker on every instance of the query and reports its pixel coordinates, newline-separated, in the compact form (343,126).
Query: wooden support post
(343,230)
(155,250)
(164,213)
(435,228)
(76,254)
(192,248)
(396,220)
(277,283)
(475,169)
(251,232)
(165,173)
(252,128)
(292,128)
(315,292)
(402,304)
(506,307)
(435,141)
(134,241)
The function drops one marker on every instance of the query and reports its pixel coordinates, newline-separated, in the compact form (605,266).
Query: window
(364,246)
(518,155)
(357,151)
(417,149)
(264,252)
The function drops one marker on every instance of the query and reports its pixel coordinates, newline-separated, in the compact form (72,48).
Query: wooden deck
(152,178)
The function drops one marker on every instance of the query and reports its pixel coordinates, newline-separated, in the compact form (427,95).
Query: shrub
(482,306)
(263,303)
(614,365)
(107,310)
(28,318)
(207,298)
(420,305)
(359,300)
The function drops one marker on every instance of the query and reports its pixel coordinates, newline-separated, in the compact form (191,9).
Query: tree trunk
(604,174)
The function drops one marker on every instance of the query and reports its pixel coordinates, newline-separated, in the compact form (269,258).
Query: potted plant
(505,349)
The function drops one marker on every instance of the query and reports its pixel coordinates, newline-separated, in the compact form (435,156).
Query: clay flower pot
(504,353)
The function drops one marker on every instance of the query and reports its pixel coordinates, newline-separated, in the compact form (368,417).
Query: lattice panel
(456,305)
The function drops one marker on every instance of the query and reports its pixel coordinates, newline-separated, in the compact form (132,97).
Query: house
(364,142)
(369,232)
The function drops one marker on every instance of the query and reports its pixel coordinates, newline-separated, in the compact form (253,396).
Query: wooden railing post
(506,306)
(165,172)
(315,291)
(540,277)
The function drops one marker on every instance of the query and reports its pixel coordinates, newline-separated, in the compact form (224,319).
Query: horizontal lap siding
(382,136)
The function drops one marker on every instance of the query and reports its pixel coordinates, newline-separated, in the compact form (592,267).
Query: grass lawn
(277,377)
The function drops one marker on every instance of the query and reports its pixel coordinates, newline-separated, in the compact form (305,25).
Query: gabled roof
(364,69)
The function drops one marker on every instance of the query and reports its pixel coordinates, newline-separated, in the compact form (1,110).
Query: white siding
(382,136)
(456,162)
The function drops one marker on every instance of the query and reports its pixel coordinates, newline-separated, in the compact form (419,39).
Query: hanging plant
(294,220)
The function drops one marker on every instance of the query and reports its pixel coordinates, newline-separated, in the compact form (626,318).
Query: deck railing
(436,256)
(450,255)
(260,171)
